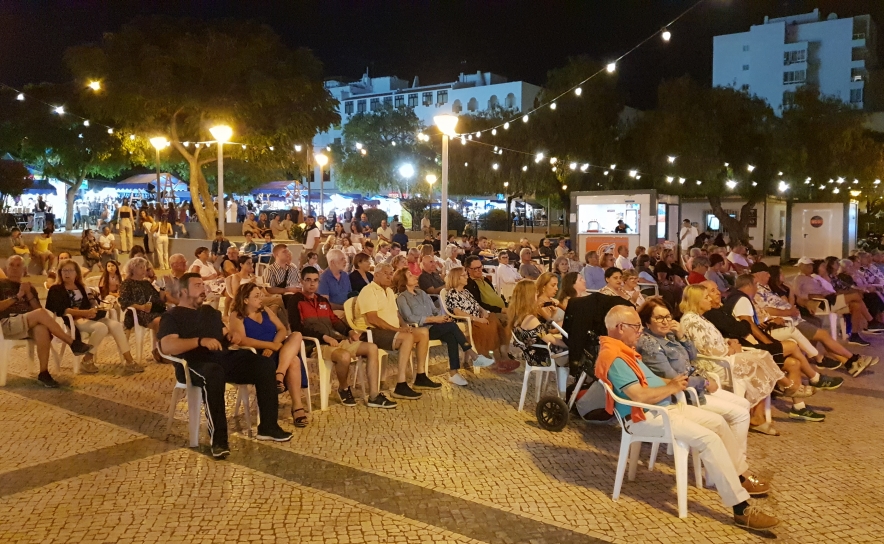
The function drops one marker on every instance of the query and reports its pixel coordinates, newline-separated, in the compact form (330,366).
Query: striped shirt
(275,276)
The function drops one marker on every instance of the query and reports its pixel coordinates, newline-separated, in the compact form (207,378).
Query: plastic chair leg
(681,477)
(634,450)
(561,379)
(539,383)
(4,353)
(833,325)
(625,444)
(767,417)
(698,468)
(325,370)
(655,449)
(242,397)
(194,402)
(177,393)
(525,379)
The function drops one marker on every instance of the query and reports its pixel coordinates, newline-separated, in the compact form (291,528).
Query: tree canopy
(59,145)
(180,77)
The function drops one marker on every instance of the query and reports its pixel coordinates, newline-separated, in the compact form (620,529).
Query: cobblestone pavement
(90,462)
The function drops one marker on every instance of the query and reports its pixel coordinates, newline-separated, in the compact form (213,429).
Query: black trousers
(451,335)
(239,367)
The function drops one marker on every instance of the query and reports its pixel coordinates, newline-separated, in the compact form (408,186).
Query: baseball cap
(759,267)
(805,260)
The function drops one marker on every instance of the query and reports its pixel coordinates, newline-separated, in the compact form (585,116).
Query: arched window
(493,102)
(511,101)
(472,105)
(456,107)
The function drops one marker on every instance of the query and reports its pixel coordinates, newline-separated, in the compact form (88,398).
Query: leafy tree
(181,77)
(61,146)
(373,147)
(704,129)
(14,179)
(416,206)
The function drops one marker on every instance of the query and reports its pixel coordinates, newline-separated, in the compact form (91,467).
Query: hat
(805,260)
(759,267)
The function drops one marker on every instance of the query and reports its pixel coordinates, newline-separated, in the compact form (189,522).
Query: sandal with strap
(280,384)
(300,421)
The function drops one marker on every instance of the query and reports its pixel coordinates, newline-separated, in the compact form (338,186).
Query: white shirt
(736,258)
(690,234)
(107,242)
(386,233)
(231,212)
(623,263)
(205,269)
(744,307)
(313,236)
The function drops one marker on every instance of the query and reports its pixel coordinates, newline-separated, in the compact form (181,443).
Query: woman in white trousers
(162,243)
(69,297)
(126,226)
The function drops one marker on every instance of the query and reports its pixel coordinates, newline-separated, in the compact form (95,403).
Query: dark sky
(433,40)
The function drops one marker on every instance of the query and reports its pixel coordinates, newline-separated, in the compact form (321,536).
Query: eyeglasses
(637,327)
(662,319)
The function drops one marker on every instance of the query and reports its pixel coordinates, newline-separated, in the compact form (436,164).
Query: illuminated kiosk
(650,218)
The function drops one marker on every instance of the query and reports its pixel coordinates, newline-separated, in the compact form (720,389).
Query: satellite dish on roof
(832,16)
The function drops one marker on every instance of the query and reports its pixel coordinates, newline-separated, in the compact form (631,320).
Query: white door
(813,236)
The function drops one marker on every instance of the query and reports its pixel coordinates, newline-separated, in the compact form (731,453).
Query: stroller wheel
(552,413)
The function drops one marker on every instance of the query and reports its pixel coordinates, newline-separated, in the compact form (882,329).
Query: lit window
(400,101)
(360,106)
(412,100)
(441,98)
(348,107)
(427,99)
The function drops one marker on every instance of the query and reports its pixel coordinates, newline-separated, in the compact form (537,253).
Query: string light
(86,123)
(564,187)
(681,180)
(633,173)
(506,126)
(20,97)
(699,182)
(243,146)
(95,85)
(110,131)
(131,136)
(573,166)
(525,168)
(478,135)
(669,179)
(552,106)
(613,166)
(271,148)
(666,35)
(578,91)
(298,148)
(731,184)
(585,167)
(836,190)
(553,160)
(494,132)
(749,167)
(495,166)
(524,119)
(358,145)
(554,168)
(59,110)
(611,67)
(671,159)
(394,142)
(783,187)
(606,172)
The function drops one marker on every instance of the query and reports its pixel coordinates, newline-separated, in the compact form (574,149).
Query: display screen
(661,221)
(603,218)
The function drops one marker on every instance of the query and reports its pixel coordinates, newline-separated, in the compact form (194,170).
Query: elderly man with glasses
(481,288)
(620,366)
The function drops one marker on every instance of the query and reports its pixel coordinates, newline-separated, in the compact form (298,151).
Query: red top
(695,277)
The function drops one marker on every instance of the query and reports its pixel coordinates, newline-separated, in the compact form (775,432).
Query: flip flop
(764,428)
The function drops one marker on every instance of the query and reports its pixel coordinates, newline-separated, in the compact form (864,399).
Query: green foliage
(375,216)
(389,139)
(180,77)
(494,220)
(14,179)
(416,206)
(456,220)
(296,232)
(59,146)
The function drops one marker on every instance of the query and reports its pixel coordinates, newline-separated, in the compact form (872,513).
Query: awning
(141,180)
(40,188)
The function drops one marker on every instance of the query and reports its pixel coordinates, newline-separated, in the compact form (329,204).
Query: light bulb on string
(470,137)
(836,190)
(506,126)
(633,173)
(131,136)
(749,167)
(699,182)
(494,132)
(669,179)
(666,35)
(564,187)
(463,140)
(754,184)
(59,110)
(877,182)
(110,131)
(606,172)
(358,145)
(525,168)
(553,160)
(731,184)
(525,118)
(573,166)
(495,166)
(95,85)
(585,167)
(578,91)
(554,168)
(20,97)
(478,135)
(363,151)
(186,144)
(244,147)
(681,180)
(271,148)
(670,159)
(611,67)
(86,123)
(613,166)
(552,106)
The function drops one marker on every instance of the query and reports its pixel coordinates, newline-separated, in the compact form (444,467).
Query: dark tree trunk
(70,196)
(737,228)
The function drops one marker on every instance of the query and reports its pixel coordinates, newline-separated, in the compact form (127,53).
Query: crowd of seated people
(769,332)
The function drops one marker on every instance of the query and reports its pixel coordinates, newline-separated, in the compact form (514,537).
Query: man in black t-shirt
(195,332)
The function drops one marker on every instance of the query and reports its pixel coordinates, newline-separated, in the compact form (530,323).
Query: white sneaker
(457,379)
(483,361)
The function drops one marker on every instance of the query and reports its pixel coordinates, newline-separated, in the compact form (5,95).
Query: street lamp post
(447,124)
(321,160)
(221,133)
(159,143)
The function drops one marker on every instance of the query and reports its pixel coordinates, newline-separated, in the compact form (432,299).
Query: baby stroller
(552,411)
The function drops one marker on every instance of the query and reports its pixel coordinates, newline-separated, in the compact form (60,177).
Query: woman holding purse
(70,297)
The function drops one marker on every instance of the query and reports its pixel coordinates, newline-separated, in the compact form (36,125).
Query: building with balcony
(469,94)
(773,59)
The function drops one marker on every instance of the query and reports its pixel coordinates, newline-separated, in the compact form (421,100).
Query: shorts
(15,327)
(808,330)
(383,338)
(346,345)
(775,349)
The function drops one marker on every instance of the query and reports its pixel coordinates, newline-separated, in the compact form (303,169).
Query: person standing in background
(125,218)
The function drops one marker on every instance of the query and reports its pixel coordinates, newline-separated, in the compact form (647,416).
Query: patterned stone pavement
(90,463)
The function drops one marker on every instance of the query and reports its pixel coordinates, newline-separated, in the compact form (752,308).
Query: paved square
(90,463)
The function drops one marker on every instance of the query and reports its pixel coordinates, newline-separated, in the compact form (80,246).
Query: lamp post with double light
(447,125)
(222,134)
(321,160)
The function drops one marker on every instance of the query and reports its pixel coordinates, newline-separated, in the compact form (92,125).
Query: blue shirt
(595,277)
(667,358)
(402,240)
(336,290)
(621,377)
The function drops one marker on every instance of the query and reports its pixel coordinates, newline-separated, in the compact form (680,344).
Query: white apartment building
(773,59)
(469,94)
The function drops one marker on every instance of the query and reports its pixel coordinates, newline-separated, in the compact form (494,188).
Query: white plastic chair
(325,372)
(139,331)
(462,319)
(836,320)
(6,352)
(630,447)
(195,400)
(727,364)
(491,271)
(560,373)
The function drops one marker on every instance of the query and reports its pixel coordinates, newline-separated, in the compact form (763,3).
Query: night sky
(432,40)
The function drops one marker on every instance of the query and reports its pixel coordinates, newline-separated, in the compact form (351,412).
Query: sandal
(765,428)
(300,421)
(280,384)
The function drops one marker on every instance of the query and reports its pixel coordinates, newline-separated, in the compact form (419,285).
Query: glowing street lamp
(221,133)
(447,125)
(158,143)
(321,160)
(431,179)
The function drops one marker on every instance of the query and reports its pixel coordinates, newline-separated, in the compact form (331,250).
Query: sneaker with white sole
(88,367)
(857,340)
(482,361)
(457,379)
(381,401)
(402,391)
